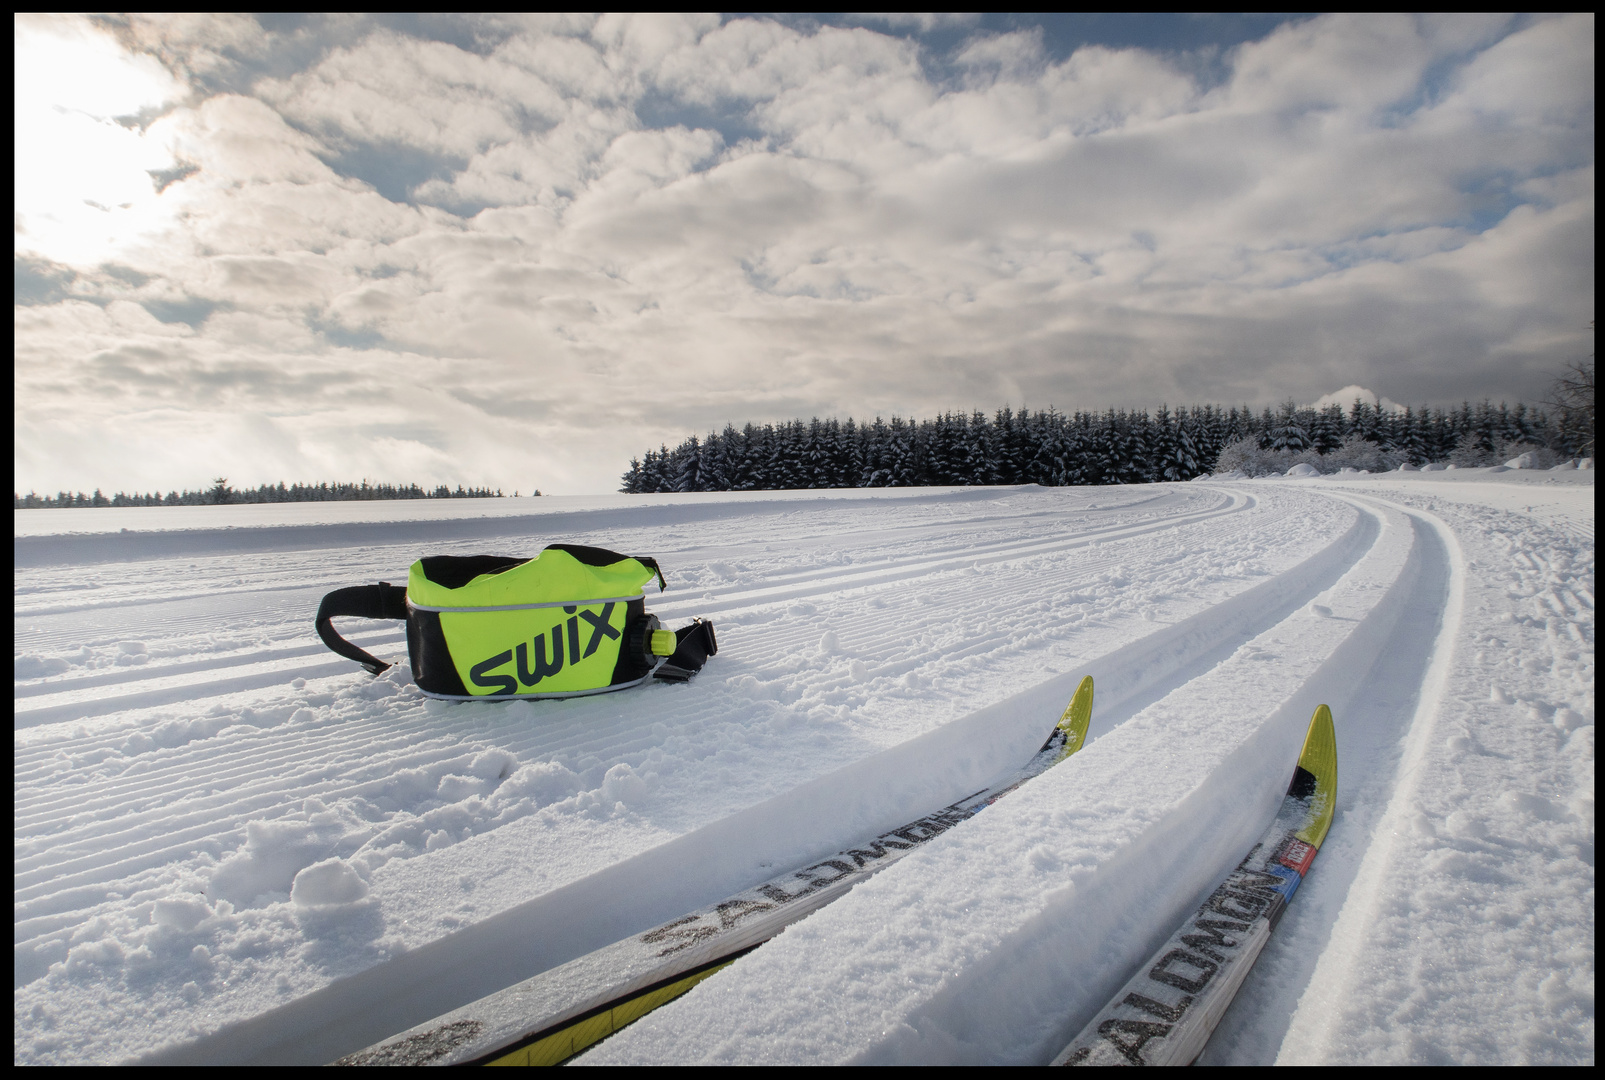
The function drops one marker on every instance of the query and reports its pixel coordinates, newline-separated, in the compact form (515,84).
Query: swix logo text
(544,655)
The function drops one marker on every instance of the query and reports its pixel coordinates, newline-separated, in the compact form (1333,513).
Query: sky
(518,251)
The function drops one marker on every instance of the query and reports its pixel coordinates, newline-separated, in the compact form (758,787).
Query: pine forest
(1056,449)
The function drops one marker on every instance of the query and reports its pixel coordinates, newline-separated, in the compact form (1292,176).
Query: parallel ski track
(52,884)
(99,617)
(64,699)
(1404,645)
(1387,721)
(109,836)
(780,644)
(320,1026)
(117,585)
(1387,709)
(177,774)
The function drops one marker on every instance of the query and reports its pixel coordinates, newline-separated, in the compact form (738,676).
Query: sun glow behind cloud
(516,251)
(84,189)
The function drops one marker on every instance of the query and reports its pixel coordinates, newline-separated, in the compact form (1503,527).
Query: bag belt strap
(695,644)
(381,601)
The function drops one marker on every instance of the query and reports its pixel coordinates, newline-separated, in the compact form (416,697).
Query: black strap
(695,644)
(649,561)
(381,601)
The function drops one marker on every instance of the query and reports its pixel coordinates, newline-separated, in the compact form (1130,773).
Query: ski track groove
(268,794)
(154,672)
(775,589)
(352,755)
(785,644)
(941,1029)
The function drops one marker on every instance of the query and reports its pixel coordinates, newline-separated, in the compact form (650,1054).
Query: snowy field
(233,846)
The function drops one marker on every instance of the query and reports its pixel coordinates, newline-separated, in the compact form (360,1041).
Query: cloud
(919,21)
(457,245)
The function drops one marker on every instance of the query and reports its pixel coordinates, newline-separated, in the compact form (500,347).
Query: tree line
(1057,449)
(220,494)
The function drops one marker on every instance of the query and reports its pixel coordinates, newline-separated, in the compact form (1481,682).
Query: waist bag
(570,621)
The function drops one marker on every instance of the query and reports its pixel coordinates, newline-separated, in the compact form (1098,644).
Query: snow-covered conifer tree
(1007,439)
(985,450)
(1072,436)
(876,470)
(1187,457)
(903,452)
(1326,429)
(1288,434)
(848,460)
(1047,461)
(1163,446)
(815,461)
(630,482)
(687,466)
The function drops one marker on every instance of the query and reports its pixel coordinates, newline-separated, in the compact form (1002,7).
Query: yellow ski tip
(1319,760)
(1076,719)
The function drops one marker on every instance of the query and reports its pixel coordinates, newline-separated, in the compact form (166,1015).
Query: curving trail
(1453,922)
(184,748)
(1016,950)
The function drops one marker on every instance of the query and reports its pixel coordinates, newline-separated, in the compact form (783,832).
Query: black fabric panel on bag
(455,571)
(647,560)
(632,663)
(590,556)
(432,668)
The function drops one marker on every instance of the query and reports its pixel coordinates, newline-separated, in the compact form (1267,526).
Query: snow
(234,846)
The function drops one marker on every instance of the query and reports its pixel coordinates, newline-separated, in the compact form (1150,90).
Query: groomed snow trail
(1030,920)
(1468,936)
(233,846)
(995,942)
(157,844)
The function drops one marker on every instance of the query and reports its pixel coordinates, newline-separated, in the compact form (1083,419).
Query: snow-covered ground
(234,846)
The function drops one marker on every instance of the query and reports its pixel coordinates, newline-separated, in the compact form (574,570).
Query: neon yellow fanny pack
(570,621)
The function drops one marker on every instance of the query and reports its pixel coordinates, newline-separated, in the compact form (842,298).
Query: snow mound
(1303,468)
(1529,460)
(179,912)
(267,865)
(330,883)
(29,666)
(623,784)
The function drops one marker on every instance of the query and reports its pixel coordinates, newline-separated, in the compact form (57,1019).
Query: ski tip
(1316,776)
(1077,718)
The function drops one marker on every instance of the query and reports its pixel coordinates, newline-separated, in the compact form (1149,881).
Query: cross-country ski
(1166,1013)
(551,1017)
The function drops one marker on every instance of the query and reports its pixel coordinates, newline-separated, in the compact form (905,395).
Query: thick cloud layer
(516,252)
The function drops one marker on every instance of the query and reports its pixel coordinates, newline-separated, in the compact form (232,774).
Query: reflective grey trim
(531,607)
